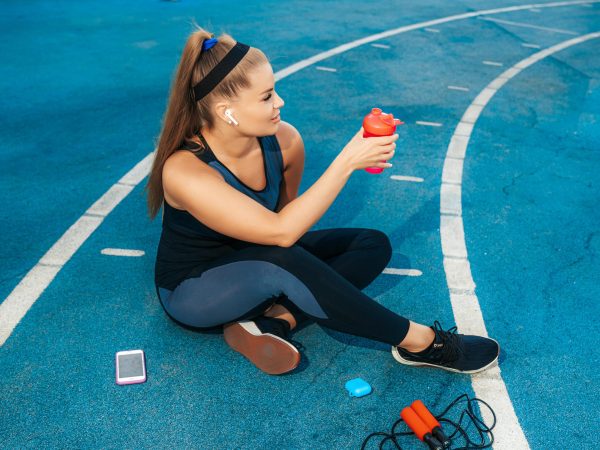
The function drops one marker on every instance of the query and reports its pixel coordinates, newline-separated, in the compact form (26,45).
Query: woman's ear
(220,109)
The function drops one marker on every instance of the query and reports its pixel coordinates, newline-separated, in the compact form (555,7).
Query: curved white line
(374,37)
(528,25)
(488,385)
(24,295)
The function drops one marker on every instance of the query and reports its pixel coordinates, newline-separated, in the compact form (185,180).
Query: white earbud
(229,115)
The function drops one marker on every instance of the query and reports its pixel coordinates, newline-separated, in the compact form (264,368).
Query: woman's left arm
(292,152)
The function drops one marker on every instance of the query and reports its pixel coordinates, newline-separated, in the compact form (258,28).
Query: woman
(235,250)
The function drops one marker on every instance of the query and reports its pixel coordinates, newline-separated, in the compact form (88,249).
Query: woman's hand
(362,152)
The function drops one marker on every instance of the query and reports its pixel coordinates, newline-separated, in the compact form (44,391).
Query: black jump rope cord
(482,428)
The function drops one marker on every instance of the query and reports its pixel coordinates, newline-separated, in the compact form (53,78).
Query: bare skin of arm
(301,213)
(192,185)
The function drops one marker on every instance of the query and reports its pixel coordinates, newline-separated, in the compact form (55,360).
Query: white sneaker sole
(268,352)
(401,360)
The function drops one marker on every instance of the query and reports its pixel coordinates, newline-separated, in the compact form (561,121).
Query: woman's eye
(267,98)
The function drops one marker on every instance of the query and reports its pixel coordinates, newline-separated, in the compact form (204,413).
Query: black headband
(220,71)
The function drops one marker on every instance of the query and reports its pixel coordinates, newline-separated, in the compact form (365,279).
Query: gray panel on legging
(225,292)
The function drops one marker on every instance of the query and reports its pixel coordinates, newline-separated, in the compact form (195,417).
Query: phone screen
(131,366)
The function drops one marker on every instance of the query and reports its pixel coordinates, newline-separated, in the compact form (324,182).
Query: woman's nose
(280,102)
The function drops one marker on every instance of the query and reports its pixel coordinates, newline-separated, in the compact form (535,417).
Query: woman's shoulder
(182,157)
(185,160)
(180,169)
(291,144)
(287,135)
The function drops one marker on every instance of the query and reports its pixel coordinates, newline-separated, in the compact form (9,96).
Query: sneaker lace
(451,343)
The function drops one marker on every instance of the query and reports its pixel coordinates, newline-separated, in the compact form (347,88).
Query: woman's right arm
(195,187)
(298,216)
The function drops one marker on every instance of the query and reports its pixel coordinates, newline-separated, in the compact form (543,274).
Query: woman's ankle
(418,338)
(278,311)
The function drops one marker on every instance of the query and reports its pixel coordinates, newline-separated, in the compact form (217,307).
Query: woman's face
(257,107)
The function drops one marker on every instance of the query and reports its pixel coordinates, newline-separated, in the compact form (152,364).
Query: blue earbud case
(358,387)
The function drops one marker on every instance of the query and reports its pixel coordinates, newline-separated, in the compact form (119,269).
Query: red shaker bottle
(378,123)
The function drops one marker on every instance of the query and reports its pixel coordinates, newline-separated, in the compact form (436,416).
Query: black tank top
(187,245)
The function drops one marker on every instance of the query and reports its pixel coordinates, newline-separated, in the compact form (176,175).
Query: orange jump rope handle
(430,421)
(420,429)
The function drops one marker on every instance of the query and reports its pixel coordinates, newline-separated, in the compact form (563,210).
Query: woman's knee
(376,239)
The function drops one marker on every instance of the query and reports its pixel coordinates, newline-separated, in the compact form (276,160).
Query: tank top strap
(273,150)
(269,144)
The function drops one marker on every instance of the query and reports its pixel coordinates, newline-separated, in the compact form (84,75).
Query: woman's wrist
(343,165)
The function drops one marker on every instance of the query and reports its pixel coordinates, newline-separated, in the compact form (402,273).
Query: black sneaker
(452,351)
(264,341)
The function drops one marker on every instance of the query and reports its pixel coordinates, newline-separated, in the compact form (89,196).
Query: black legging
(322,275)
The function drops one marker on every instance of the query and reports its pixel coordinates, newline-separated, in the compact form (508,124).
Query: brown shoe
(262,341)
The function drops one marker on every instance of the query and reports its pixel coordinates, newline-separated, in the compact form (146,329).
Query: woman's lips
(276,118)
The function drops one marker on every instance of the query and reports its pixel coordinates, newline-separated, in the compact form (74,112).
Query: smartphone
(130,367)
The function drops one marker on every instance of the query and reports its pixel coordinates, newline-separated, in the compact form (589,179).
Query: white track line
(458,88)
(492,63)
(432,30)
(326,69)
(24,295)
(16,305)
(122,252)
(527,25)
(380,46)
(393,32)
(487,385)
(531,45)
(405,272)
(406,178)
(428,124)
